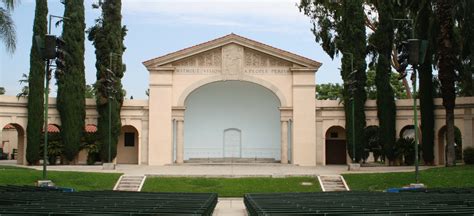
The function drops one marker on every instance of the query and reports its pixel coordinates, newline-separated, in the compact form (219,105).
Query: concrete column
(160,143)
(179,141)
(320,143)
(284,142)
(468,130)
(304,115)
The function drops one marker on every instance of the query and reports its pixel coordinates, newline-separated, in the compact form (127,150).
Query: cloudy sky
(157,27)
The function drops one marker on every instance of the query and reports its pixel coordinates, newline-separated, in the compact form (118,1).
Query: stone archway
(127,146)
(442,144)
(191,88)
(13,142)
(373,146)
(89,155)
(55,143)
(408,132)
(336,150)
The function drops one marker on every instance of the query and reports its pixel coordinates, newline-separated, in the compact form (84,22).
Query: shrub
(55,147)
(405,149)
(469,155)
(371,134)
(398,150)
(89,141)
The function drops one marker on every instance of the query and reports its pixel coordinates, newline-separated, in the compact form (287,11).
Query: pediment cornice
(297,60)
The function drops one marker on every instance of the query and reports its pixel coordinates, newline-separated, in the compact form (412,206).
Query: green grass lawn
(230,187)
(459,176)
(80,181)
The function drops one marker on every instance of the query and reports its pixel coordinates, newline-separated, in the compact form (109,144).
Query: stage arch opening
(232,119)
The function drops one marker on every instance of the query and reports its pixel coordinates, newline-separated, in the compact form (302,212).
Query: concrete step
(128,186)
(333,183)
(130,183)
(127,182)
(329,188)
(231,160)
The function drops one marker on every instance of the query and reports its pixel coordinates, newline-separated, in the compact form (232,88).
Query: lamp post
(415,112)
(352,89)
(110,89)
(46,100)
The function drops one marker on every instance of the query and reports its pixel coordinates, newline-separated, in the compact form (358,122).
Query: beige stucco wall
(330,113)
(13,111)
(173,80)
(327,114)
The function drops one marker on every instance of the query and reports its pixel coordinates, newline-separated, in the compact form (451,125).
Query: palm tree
(447,65)
(7,27)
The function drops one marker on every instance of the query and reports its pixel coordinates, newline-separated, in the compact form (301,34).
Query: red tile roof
(8,126)
(90,128)
(53,129)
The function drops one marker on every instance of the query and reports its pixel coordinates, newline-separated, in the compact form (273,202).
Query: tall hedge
(339,27)
(353,40)
(36,86)
(107,36)
(386,109)
(424,31)
(71,83)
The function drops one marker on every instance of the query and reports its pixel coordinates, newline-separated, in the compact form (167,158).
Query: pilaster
(304,127)
(160,123)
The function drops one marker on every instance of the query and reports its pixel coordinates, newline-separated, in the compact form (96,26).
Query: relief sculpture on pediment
(232,61)
(257,59)
(211,58)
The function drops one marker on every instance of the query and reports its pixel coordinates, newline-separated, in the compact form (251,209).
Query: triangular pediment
(214,52)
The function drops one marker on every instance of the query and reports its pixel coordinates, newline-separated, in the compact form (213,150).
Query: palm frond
(10,4)
(7,30)
(24,79)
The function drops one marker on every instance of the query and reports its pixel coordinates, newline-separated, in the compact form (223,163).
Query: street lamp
(46,101)
(415,113)
(111,91)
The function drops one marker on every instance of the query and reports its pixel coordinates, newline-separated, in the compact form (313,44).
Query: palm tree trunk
(450,152)
(446,65)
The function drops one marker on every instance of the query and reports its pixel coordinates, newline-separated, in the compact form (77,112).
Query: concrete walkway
(224,170)
(230,207)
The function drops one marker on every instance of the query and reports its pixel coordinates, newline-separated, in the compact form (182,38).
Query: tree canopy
(35,88)
(71,82)
(333,91)
(339,27)
(107,35)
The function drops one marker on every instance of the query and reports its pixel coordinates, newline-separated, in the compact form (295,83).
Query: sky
(158,27)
